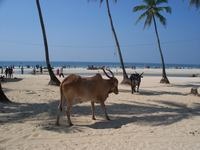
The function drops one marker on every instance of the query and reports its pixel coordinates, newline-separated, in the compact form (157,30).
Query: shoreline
(86,64)
(117,71)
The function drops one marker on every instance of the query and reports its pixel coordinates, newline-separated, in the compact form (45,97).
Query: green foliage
(151,9)
(195,3)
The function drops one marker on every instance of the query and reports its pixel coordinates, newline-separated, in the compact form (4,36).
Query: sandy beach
(159,117)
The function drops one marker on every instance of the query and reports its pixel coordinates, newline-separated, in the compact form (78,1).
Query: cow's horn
(110,72)
(106,73)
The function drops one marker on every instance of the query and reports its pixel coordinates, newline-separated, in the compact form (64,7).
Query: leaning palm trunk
(164,75)
(125,76)
(53,79)
(3,97)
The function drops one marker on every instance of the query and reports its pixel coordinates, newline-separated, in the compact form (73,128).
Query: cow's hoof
(108,118)
(57,124)
(71,124)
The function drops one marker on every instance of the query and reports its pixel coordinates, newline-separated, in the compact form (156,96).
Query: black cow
(135,81)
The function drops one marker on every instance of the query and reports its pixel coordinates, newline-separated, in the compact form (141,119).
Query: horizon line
(98,62)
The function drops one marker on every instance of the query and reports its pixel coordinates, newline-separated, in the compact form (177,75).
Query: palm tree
(195,3)
(151,11)
(3,97)
(53,79)
(125,76)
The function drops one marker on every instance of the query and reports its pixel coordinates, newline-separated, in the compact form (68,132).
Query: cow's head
(136,76)
(112,80)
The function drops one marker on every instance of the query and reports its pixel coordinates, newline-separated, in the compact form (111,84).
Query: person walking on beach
(57,72)
(6,72)
(41,70)
(10,72)
(34,70)
(1,70)
(61,72)
(22,70)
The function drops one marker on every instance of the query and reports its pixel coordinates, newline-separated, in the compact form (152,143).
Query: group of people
(59,72)
(9,72)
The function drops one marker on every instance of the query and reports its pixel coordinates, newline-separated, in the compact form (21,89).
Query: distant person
(41,69)
(22,70)
(1,70)
(133,67)
(61,72)
(57,72)
(37,66)
(6,72)
(10,72)
(34,70)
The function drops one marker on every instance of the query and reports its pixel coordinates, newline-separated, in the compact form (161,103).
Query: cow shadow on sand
(158,113)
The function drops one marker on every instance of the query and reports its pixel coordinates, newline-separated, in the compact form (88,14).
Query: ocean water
(68,64)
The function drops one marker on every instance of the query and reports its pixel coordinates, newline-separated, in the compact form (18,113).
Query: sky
(79,30)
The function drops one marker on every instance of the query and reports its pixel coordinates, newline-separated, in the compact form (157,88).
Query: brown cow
(75,89)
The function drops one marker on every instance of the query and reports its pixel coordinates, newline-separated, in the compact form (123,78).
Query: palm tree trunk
(3,97)
(125,79)
(164,75)
(53,79)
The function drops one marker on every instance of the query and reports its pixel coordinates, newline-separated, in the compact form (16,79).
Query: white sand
(159,117)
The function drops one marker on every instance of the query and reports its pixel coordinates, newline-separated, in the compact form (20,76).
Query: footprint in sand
(36,135)
(25,136)
(30,92)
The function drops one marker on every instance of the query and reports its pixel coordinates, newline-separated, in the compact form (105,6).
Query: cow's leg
(69,106)
(93,109)
(132,86)
(58,115)
(60,108)
(104,109)
(138,87)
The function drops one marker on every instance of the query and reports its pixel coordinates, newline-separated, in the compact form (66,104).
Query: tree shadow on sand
(21,112)
(188,85)
(162,113)
(153,92)
(157,114)
(11,80)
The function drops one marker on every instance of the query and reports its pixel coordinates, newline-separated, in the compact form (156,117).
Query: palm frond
(158,2)
(148,21)
(152,10)
(166,9)
(149,2)
(161,18)
(139,8)
(141,17)
(195,3)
